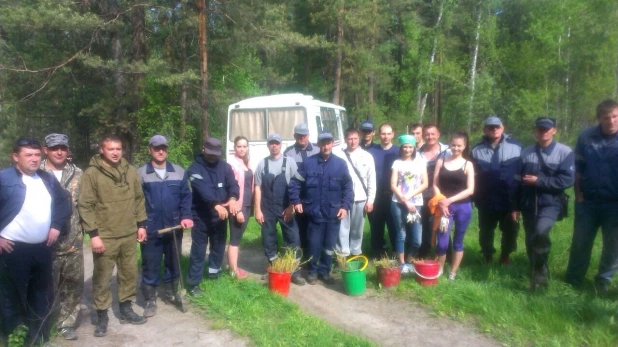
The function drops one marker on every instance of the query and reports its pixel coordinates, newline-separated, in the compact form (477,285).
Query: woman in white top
(408,181)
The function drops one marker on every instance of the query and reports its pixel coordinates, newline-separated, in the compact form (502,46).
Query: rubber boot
(101,328)
(150,297)
(127,315)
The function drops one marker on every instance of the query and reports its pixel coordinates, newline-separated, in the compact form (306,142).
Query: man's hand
(222,211)
(529,180)
(141,235)
(52,236)
(97,244)
(288,213)
(298,208)
(259,216)
(515,216)
(368,207)
(234,207)
(186,223)
(342,213)
(240,217)
(6,246)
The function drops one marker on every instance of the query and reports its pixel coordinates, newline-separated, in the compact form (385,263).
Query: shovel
(183,291)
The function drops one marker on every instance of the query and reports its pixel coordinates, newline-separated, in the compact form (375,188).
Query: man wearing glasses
(495,161)
(68,252)
(168,204)
(34,209)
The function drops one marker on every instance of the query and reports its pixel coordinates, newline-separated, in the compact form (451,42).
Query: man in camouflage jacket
(68,257)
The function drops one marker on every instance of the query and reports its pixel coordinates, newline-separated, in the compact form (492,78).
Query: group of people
(319,197)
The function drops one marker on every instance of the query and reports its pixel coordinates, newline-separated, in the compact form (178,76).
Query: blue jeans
(589,216)
(408,234)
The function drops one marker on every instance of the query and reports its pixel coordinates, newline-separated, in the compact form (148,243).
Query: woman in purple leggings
(454,178)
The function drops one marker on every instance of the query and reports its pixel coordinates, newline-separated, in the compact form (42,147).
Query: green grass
(249,309)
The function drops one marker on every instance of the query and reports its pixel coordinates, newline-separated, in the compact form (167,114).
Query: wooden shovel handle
(167,230)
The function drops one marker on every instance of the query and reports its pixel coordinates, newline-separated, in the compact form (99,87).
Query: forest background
(135,68)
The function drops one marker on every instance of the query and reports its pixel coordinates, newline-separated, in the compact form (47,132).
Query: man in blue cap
(272,203)
(325,194)
(367,133)
(299,152)
(168,204)
(544,171)
(495,160)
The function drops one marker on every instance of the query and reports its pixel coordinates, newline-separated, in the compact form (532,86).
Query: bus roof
(281,100)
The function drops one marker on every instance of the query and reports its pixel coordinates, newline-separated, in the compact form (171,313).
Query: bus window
(283,120)
(344,120)
(318,123)
(248,123)
(329,120)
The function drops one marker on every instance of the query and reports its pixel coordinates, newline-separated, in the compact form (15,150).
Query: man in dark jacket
(596,197)
(34,209)
(214,187)
(325,194)
(544,171)
(495,160)
(168,204)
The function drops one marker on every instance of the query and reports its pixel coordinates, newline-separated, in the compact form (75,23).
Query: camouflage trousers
(68,272)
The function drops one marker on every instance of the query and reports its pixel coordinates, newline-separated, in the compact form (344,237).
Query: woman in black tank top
(454,179)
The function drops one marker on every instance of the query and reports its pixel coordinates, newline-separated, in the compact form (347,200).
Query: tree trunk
(202,8)
(422,98)
(122,122)
(138,21)
(183,88)
(339,60)
(475,56)
(372,73)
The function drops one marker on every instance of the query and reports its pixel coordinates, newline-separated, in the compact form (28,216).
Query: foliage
(18,337)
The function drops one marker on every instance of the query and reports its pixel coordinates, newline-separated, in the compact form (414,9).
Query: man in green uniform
(68,256)
(111,206)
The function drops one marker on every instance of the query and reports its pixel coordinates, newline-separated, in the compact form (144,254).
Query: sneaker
(327,279)
(299,281)
(312,279)
(406,268)
(68,333)
(239,274)
(214,276)
(505,260)
(451,276)
(195,291)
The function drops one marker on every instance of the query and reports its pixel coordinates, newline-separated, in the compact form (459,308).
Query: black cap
(212,146)
(545,122)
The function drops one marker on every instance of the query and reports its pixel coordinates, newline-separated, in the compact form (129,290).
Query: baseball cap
(212,146)
(273,137)
(325,135)
(493,121)
(158,140)
(53,140)
(367,125)
(301,129)
(545,122)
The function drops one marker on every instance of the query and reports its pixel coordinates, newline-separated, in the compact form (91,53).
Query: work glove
(443,224)
(413,217)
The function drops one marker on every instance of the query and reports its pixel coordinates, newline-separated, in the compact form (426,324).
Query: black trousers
(26,290)
(489,219)
(537,227)
(378,218)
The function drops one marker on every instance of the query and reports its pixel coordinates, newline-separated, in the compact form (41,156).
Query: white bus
(258,117)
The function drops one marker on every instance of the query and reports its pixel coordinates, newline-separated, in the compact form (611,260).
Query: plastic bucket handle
(359,257)
(427,278)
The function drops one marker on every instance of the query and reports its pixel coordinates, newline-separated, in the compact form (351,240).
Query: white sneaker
(406,268)
(451,276)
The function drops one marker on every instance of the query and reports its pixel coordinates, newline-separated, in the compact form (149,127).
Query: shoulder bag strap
(357,173)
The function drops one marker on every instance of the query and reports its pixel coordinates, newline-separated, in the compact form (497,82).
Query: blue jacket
(327,187)
(13,195)
(595,162)
(212,184)
(550,183)
(495,173)
(168,200)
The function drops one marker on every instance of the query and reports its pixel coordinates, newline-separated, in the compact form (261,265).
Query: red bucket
(389,277)
(279,282)
(427,272)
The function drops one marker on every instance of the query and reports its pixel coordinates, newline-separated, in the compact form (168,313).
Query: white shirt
(58,174)
(409,178)
(161,172)
(32,223)
(363,161)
